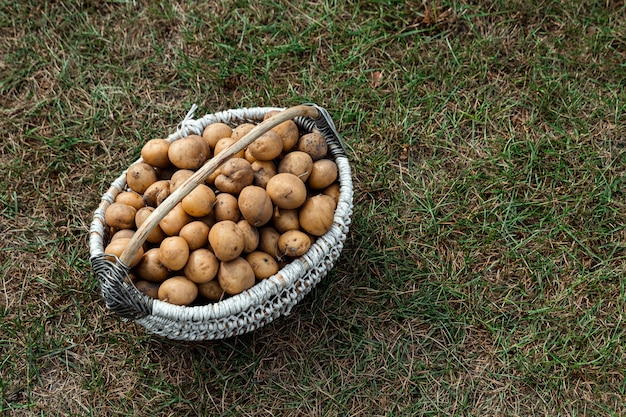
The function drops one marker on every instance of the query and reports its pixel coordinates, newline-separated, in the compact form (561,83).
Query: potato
(225,143)
(267,147)
(268,241)
(174,252)
(156,235)
(235,276)
(285,219)
(286,190)
(155,153)
(151,268)
(174,220)
(140,176)
(122,233)
(178,290)
(263,264)
(241,130)
(196,233)
(297,163)
(316,214)
(289,134)
(207,146)
(226,208)
(151,289)
(187,153)
(294,243)
(210,179)
(236,173)
(211,290)
(334,191)
(216,131)
(156,193)
(314,144)
(323,174)
(263,171)
(227,240)
(199,202)
(202,266)
(255,205)
(130,198)
(120,216)
(178,178)
(116,247)
(250,236)
(248,156)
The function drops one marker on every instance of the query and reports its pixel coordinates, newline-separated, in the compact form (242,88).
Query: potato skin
(154,152)
(317,214)
(235,276)
(314,144)
(263,264)
(178,290)
(140,176)
(120,216)
(323,173)
(187,153)
(255,205)
(294,243)
(286,191)
(226,240)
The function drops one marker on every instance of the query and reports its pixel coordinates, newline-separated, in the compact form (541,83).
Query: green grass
(484,271)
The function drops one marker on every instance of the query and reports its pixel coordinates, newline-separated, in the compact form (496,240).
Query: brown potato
(263,171)
(285,219)
(211,290)
(116,247)
(174,252)
(151,289)
(225,143)
(216,131)
(202,266)
(263,264)
(178,290)
(199,202)
(323,174)
(120,216)
(122,233)
(226,240)
(255,205)
(267,147)
(294,243)
(334,191)
(314,144)
(236,173)
(250,236)
(178,178)
(130,198)
(235,276)
(140,176)
(156,235)
(155,153)
(174,220)
(297,163)
(151,268)
(286,190)
(207,146)
(196,233)
(226,208)
(187,153)
(289,134)
(242,130)
(268,241)
(317,214)
(156,193)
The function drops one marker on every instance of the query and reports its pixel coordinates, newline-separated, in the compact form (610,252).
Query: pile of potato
(260,209)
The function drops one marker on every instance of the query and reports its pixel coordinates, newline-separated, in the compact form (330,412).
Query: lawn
(485,270)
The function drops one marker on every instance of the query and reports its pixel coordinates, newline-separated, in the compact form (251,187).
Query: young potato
(235,276)
(226,208)
(314,144)
(122,233)
(323,174)
(268,241)
(120,216)
(178,178)
(317,214)
(187,153)
(226,240)
(174,252)
(294,243)
(151,268)
(156,193)
(202,266)
(154,152)
(241,130)
(196,233)
(178,290)
(173,221)
(297,163)
(334,191)
(211,290)
(130,198)
(263,264)
(216,131)
(156,235)
(236,173)
(199,202)
(286,190)
(255,205)
(116,247)
(151,289)
(289,133)
(267,147)
(140,176)
(250,236)
(207,146)
(263,171)
(285,219)
(225,143)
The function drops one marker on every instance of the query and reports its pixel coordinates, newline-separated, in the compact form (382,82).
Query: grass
(484,271)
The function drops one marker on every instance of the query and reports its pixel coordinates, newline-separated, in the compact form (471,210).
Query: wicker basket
(268,299)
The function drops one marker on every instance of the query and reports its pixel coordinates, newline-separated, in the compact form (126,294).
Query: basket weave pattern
(267,300)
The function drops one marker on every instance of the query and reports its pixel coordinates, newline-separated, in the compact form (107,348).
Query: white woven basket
(261,304)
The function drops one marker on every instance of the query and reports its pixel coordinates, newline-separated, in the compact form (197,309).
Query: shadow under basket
(268,299)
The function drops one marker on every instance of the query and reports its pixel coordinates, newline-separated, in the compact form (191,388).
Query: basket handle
(207,169)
